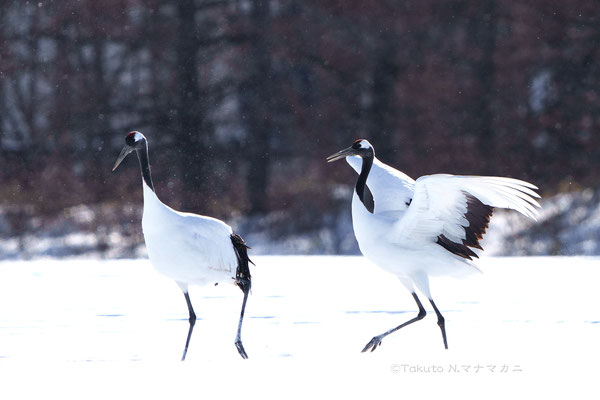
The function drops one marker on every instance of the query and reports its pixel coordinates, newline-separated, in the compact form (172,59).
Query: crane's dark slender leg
(441,323)
(192,323)
(376,341)
(244,284)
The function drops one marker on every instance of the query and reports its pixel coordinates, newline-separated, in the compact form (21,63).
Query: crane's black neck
(142,153)
(362,190)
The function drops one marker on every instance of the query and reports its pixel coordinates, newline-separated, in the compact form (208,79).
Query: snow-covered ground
(568,224)
(115,329)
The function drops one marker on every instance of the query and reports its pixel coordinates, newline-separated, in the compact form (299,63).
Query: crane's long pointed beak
(341,154)
(126,150)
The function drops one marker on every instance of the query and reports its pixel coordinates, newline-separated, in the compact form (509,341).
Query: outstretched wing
(454,211)
(392,190)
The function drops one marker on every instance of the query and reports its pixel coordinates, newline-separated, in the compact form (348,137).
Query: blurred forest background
(241,101)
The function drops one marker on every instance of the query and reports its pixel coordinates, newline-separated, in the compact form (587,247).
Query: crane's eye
(130,140)
(356,144)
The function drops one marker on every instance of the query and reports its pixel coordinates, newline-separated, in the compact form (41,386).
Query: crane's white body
(189,248)
(401,238)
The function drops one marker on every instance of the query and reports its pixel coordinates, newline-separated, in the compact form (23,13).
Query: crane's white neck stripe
(137,136)
(364,144)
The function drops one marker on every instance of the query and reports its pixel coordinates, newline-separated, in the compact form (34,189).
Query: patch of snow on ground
(568,224)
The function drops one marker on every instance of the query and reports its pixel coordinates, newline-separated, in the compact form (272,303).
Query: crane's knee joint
(244,284)
(441,321)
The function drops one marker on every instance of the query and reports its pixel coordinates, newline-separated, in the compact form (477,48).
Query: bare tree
(256,107)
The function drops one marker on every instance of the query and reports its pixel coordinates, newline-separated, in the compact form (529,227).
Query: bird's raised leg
(441,323)
(376,341)
(245,285)
(192,323)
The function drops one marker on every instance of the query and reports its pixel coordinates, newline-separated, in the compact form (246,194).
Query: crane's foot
(373,344)
(240,348)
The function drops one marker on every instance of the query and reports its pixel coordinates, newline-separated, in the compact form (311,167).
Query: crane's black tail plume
(243,280)
(242,274)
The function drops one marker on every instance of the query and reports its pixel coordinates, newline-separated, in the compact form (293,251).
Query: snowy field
(115,329)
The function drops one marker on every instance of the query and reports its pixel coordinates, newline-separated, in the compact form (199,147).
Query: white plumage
(392,188)
(189,248)
(428,227)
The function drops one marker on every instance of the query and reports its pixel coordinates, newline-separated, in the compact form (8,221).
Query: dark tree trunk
(256,109)
(192,139)
(483,33)
(380,113)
